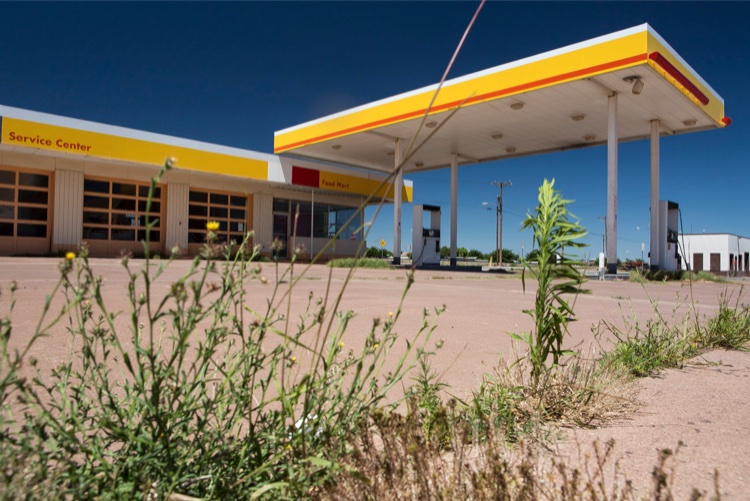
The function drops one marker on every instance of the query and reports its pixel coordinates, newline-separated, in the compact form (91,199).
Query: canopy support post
(612,183)
(397,186)
(454,207)
(654,257)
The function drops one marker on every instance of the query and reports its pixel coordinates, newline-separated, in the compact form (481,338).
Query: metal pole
(398,183)
(497,233)
(654,246)
(499,209)
(454,207)
(500,232)
(612,157)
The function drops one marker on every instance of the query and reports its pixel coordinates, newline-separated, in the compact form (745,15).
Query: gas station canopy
(550,102)
(624,86)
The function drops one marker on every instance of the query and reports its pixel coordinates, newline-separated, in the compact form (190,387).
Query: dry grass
(498,445)
(396,463)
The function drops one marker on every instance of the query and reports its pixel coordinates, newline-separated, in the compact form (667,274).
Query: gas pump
(425,248)
(669,256)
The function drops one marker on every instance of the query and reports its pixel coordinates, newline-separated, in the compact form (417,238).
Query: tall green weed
(555,229)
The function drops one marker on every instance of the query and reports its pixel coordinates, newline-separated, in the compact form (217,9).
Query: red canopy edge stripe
(473,99)
(679,76)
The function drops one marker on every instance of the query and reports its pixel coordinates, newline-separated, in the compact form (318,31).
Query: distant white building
(719,253)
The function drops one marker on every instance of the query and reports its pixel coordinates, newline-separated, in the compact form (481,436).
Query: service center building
(66,182)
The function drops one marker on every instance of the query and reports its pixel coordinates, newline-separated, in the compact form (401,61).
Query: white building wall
(723,244)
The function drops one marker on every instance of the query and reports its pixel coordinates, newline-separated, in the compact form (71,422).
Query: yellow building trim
(361,186)
(18,132)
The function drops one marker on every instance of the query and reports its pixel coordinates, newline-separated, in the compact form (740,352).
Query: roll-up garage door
(115,215)
(25,215)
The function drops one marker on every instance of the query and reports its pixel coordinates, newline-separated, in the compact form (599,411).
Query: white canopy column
(397,186)
(654,256)
(612,183)
(454,207)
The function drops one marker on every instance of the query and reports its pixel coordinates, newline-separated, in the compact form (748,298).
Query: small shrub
(376,253)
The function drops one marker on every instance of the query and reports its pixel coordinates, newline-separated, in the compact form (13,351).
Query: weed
(703,276)
(554,230)
(661,343)
(729,328)
(637,277)
(192,393)
(644,350)
(360,263)
(426,402)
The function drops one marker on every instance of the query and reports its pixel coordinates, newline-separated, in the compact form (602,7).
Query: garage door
(697,261)
(114,216)
(25,215)
(230,210)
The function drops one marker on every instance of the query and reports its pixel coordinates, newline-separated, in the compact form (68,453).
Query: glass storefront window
(326,219)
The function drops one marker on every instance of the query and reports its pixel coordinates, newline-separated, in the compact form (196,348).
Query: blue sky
(233,73)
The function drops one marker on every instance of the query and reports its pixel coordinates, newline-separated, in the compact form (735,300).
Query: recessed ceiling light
(689,123)
(510,149)
(496,136)
(578,118)
(589,137)
(516,106)
(431,124)
(336,146)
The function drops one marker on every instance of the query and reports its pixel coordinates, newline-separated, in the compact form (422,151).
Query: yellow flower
(376,346)
(294,359)
(212,226)
(390,314)
(70,256)
(341,344)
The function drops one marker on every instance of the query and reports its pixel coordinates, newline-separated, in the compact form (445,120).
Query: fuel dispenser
(425,240)
(669,256)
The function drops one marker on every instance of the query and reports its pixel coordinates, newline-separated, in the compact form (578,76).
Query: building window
(114,210)
(227,209)
(24,204)
(320,220)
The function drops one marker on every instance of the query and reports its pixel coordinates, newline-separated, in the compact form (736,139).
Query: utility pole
(499,215)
